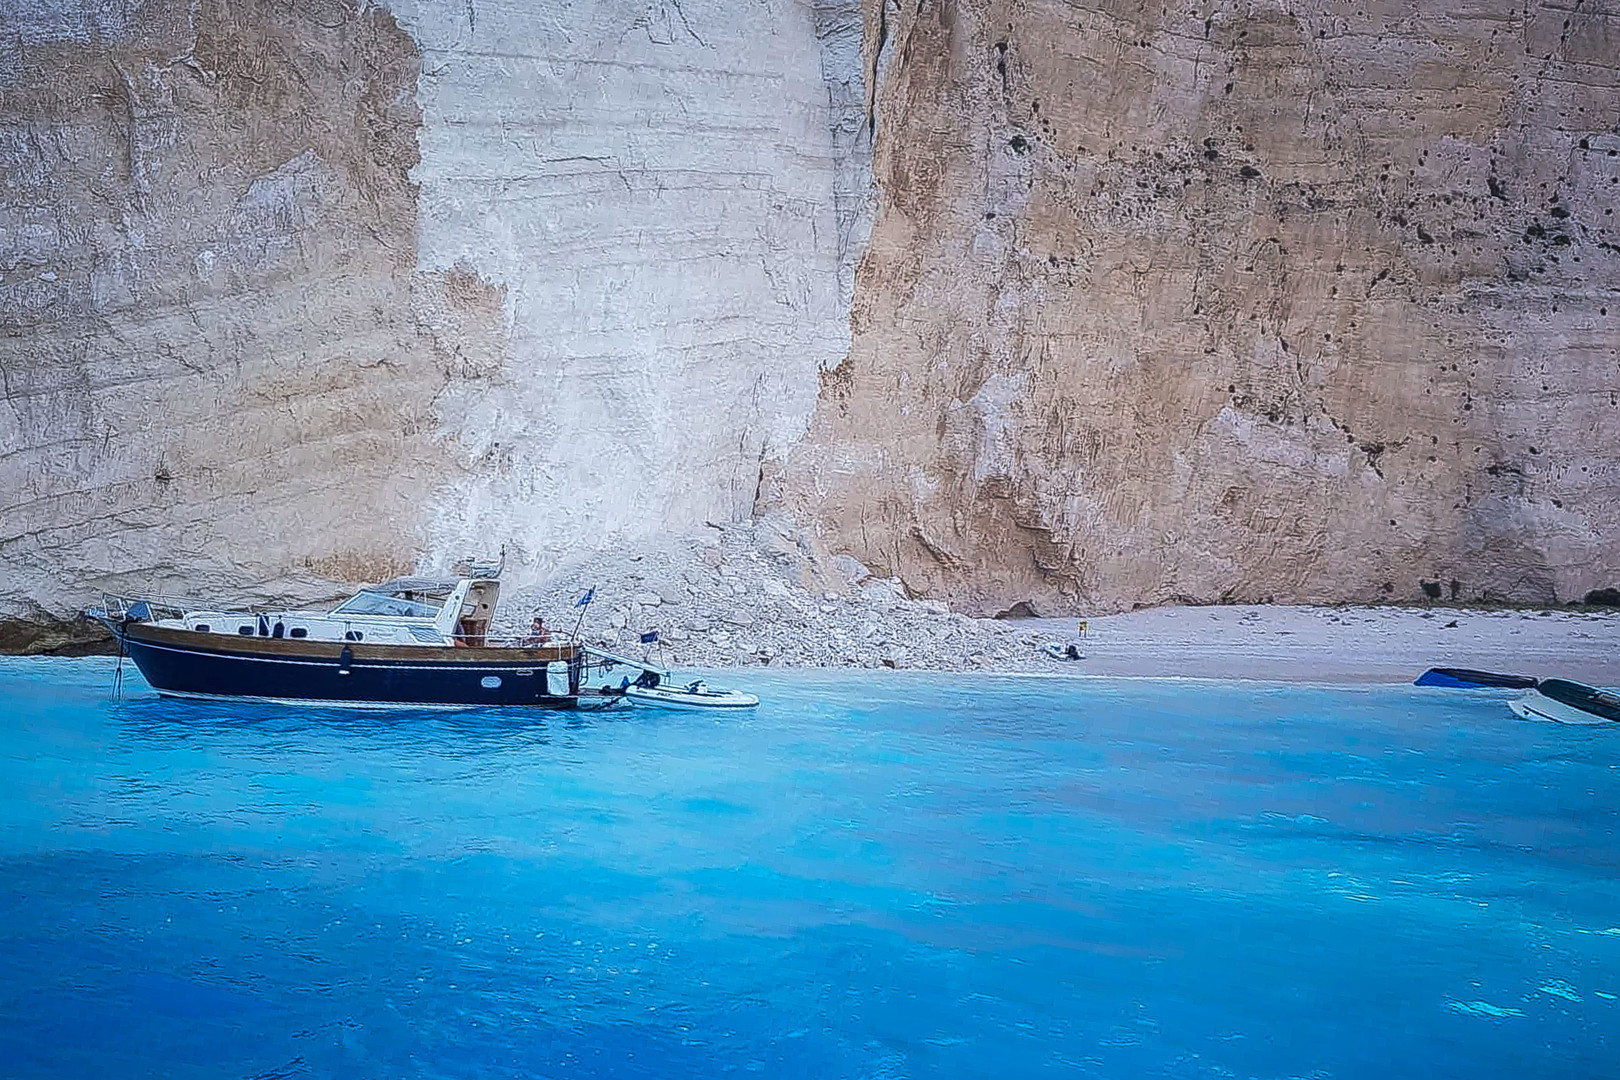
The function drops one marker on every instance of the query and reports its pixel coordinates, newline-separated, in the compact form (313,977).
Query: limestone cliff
(652,184)
(212,372)
(1053,304)
(1309,301)
(293,291)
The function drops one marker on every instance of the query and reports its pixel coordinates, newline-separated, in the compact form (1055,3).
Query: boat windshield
(376,603)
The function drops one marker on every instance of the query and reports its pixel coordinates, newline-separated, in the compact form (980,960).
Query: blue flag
(649,637)
(589,593)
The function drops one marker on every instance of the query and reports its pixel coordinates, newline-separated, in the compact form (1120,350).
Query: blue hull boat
(181,663)
(1469,679)
(411,641)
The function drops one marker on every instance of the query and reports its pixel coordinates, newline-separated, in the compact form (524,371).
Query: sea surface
(872,876)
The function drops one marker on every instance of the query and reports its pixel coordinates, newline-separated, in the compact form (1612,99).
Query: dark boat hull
(1565,701)
(184,663)
(1469,679)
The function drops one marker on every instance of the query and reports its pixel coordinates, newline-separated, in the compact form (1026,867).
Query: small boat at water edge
(1469,679)
(652,687)
(694,695)
(409,642)
(1565,702)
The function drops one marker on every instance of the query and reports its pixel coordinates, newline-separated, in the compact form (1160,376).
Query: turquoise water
(902,876)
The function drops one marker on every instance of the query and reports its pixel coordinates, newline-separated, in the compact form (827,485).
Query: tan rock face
(213,373)
(1307,303)
(1303,302)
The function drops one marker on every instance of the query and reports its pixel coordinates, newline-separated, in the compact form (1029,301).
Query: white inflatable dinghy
(1058,651)
(697,695)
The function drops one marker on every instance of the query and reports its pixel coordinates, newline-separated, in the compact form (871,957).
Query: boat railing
(510,641)
(154,606)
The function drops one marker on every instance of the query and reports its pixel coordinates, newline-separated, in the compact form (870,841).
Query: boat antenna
(584,605)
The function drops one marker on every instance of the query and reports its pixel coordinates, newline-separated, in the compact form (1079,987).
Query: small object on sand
(1059,651)
(1452,625)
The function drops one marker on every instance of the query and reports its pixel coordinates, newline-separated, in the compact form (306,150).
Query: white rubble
(763,592)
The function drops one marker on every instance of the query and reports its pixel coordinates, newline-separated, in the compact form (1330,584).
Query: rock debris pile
(767,592)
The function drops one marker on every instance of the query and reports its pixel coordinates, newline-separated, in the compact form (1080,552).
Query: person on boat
(538,634)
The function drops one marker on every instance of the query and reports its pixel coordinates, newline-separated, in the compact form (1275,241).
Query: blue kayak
(1468,679)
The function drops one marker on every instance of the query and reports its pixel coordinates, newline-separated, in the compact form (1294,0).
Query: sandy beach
(1341,645)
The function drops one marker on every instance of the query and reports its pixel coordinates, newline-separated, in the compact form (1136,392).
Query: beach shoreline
(1298,644)
(1292,644)
(1341,645)
(767,594)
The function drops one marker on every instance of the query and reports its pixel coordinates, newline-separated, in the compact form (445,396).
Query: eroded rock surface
(299,292)
(664,193)
(1306,302)
(1082,305)
(212,373)
(765,592)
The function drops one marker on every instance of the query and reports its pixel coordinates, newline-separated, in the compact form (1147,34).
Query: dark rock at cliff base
(55,637)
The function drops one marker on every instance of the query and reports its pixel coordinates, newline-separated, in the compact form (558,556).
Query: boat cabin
(403,611)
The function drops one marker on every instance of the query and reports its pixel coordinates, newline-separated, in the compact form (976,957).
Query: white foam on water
(1559,988)
(1483,1008)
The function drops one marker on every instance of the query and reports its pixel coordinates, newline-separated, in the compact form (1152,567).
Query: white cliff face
(650,186)
(288,295)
